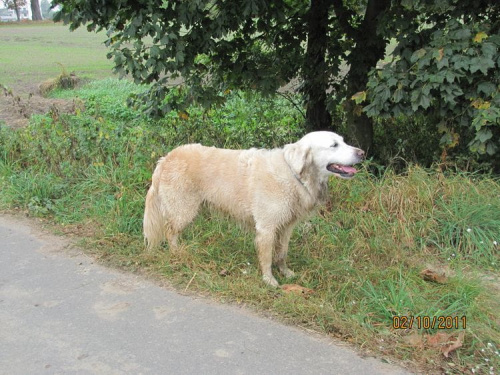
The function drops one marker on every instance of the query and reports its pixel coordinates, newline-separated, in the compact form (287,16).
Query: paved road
(62,314)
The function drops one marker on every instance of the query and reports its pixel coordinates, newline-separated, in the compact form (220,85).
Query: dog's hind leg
(282,241)
(264,242)
(180,212)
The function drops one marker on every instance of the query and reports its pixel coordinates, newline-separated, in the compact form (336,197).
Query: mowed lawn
(32,52)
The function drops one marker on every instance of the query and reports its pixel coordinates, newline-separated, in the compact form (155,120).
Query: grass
(362,254)
(31,53)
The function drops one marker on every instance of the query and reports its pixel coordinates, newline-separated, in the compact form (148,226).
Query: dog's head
(329,153)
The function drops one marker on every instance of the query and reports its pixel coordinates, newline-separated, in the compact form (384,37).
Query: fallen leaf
(434,276)
(297,289)
(224,272)
(454,345)
(437,340)
(445,342)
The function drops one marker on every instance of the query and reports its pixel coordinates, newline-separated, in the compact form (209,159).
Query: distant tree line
(17,5)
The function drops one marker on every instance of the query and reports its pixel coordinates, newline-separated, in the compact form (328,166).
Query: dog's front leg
(280,256)
(264,242)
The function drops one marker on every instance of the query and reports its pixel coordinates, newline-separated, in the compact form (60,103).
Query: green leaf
(491,148)
(417,55)
(418,99)
(438,54)
(398,95)
(442,63)
(487,88)
(489,50)
(424,61)
(384,93)
(154,51)
(450,76)
(179,56)
(164,4)
(371,110)
(392,82)
(424,101)
(131,31)
(482,64)
(460,34)
(462,62)
(483,135)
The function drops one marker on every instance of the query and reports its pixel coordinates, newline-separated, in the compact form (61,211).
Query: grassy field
(32,52)
(424,243)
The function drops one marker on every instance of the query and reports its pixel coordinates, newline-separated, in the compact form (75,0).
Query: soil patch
(18,104)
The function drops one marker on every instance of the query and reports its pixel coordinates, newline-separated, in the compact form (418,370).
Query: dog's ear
(297,156)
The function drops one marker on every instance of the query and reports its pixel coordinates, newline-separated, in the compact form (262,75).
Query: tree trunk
(16,8)
(315,68)
(36,14)
(369,49)
(359,127)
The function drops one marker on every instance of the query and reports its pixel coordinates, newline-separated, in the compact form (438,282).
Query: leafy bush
(453,79)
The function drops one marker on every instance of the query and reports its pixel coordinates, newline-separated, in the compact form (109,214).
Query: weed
(64,81)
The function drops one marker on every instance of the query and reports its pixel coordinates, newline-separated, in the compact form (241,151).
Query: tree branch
(287,97)
(343,16)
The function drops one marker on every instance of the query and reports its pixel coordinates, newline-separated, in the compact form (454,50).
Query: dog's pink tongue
(350,170)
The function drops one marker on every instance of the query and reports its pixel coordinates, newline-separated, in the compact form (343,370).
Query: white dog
(269,189)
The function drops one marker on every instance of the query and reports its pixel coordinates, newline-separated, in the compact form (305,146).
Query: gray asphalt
(60,313)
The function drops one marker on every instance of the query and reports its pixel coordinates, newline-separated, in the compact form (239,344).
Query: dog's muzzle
(342,170)
(346,171)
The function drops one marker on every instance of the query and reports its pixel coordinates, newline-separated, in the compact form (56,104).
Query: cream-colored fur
(269,189)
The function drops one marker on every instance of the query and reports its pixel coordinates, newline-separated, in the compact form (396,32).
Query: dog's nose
(360,153)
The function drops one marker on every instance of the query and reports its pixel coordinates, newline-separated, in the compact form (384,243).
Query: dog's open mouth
(341,170)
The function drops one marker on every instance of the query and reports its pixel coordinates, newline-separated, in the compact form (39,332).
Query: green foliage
(406,294)
(108,126)
(444,68)
(403,141)
(448,69)
(468,228)
(214,46)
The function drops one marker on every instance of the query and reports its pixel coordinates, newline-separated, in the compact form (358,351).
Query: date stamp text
(429,322)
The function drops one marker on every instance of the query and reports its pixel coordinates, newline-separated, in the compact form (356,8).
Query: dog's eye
(334,145)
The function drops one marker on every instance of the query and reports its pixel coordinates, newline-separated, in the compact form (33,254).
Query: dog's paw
(271,281)
(287,272)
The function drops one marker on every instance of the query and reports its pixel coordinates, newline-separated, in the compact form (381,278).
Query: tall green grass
(362,253)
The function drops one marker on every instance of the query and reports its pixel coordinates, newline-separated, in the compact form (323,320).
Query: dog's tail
(154,219)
